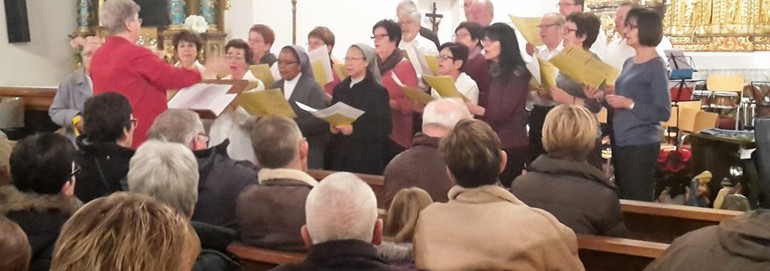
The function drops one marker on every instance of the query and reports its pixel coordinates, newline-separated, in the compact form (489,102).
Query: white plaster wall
(47,58)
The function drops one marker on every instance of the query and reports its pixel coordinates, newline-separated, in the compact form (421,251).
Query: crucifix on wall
(435,18)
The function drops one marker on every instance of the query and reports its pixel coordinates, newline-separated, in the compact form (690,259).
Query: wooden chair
(611,253)
(659,222)
(705,120)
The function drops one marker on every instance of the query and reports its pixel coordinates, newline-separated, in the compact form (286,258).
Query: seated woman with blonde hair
(577,193)
(14,246)
(400,224)
(126,231)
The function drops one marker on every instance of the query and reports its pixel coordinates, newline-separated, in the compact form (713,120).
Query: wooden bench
(375,181)
(254,258)
(601,253)
(665,222)
(598,253)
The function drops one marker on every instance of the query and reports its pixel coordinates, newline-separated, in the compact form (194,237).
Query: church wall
(47,58)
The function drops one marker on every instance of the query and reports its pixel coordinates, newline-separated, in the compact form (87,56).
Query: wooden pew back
(665,222)
(377,182)
(601,253)
(254,258)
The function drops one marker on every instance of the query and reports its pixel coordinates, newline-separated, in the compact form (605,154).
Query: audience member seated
(221,178)
(272,213)
(126,231)
(319,37)
(167,172)
(188,45)
(5,155)
(342,227)
(233,123)
(360,147)
(738,243)
(14,246)
(421,165)
(67,106)
(491,229)
(105,147)
(563,183)
(40,199)
(298,85)
(400,223)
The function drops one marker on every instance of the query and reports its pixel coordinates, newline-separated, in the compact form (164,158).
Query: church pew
(647,221)
(38,99)
(254,258)
(598,253)
(375,181)
(665,222)
(601,253)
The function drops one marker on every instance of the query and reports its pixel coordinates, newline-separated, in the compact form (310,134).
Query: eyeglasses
(631,26)
(75,170)
(134,122)
(567,30)
(234,57)
(541,26)
(487,41)
(442,58)
(354,58)
(380,36)
(285,62)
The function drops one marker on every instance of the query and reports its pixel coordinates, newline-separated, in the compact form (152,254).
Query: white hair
(412,13)
(166,171)
(341,207)
(114,14)
(406,4)
(444,113)
(176,125)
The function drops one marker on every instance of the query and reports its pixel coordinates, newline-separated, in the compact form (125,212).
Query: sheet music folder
(208,98)
(680,65)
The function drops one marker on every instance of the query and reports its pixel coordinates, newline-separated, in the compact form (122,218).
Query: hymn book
(270,102)
(543,75)
(263,73)
(432,62)
(527,26)
(414,94)
(321,65)
(208,98)
(582,66)
(337,114)
(444,86)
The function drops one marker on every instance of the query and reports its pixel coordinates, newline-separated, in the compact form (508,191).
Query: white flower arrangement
(196,23)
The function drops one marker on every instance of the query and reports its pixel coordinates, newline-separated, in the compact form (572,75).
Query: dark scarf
(391,62)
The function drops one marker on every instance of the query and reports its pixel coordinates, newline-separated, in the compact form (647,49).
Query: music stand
(681,67)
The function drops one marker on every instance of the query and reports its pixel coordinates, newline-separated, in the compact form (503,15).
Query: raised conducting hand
(619,102)
(214,66)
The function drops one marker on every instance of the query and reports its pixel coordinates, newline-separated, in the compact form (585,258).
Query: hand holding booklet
(266,103)
(208,98)
(444,86)
(414,94)
(528,27)
(582,66)
(337,114)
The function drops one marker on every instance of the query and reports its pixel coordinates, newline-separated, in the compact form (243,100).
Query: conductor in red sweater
(133,71)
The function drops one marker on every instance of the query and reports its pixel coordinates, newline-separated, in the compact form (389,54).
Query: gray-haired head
(443,114)
(166,171)
(341,207)
(114,14)
(176,125)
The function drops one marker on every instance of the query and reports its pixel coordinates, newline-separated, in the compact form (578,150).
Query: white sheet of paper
(321,54)
(338,108)
(534,68)
(203,96)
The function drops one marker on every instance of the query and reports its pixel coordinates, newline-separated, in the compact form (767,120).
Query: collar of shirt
(545,54)
(354,81)
(289,85)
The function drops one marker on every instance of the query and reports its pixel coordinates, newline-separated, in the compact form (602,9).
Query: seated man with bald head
(490,228)
(421,165)
(271,214)
(221,178)
(342,227)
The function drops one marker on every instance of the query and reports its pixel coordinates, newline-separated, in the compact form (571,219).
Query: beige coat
(487,228)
